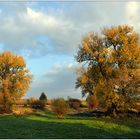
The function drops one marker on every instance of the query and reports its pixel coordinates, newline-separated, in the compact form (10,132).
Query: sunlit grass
(46,125)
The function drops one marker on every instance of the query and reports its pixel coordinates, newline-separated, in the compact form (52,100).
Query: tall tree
(111,62)
(14,78)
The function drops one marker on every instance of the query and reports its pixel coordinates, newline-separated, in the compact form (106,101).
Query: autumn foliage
(14,79)
(111,67)
(60,107)
(92,102)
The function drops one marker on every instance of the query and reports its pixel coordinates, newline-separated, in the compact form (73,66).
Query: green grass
(45,125)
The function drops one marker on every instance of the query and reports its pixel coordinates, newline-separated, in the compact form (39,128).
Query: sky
(47,34)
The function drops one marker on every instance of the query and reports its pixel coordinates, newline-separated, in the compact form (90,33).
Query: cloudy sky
(47,35)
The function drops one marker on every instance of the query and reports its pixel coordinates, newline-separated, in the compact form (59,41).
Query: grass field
(45,125)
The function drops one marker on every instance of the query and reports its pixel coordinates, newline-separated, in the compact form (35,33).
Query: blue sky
(47,35)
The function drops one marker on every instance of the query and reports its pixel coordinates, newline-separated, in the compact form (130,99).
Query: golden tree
(111,62)
(14,79)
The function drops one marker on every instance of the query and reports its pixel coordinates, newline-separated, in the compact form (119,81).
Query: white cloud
(37,32)
(61,29)
(40,22)
(21,31)
(132,11)
(132,8)
(59,81)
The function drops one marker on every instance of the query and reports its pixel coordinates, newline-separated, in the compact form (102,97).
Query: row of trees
(110,72)
(111,67)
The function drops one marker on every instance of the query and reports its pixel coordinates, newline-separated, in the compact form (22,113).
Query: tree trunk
(6,103)
(112,110)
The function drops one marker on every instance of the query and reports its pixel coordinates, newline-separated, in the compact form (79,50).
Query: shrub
(31,100)
(38,104)
(92,102)
(49,102)
(22,111)
(74,103)
(84,104)
(21,102)
(60,107)
(25,103)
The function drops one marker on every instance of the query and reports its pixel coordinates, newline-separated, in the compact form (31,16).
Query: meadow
(45,125)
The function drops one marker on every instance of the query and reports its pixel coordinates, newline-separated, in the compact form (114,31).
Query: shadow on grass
(21,127)
(132,123)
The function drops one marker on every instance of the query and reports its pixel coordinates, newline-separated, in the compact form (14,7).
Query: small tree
(14,78)
(43,96)
(60,107)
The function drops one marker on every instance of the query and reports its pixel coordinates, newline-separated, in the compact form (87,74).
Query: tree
(111,63)
(14,79)
(43,96)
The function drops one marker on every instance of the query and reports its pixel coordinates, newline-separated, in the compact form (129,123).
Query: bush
(31,100)
(84,104)
(21,102)
(92,102)
(60,107)
(22,111)
(74,103)
(25,104)
(49,102)
(38,104)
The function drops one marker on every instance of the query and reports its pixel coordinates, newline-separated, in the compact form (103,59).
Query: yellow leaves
(5,82)
(18,61)
(84,79)
(118,36)
(14,76)
(11,60)
(103,55)
(85,44)
(112,60)
(110,35)
(22,111)
(125,42)
(114,30)
(92,44)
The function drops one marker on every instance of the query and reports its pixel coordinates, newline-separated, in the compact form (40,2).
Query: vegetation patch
(46,125)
